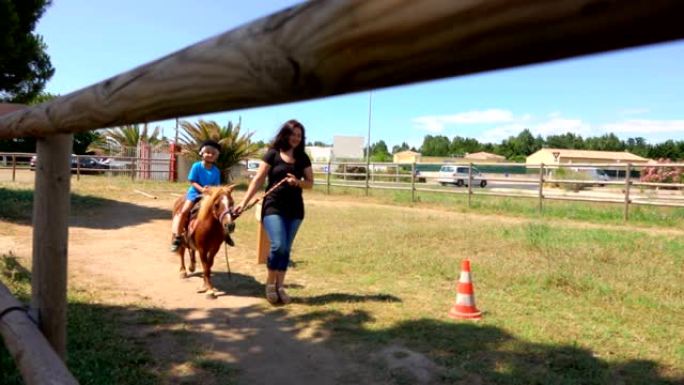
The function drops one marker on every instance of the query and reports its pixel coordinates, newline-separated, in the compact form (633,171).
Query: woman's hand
(292,180)
(237,209)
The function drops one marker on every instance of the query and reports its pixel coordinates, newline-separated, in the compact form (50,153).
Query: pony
(206,231)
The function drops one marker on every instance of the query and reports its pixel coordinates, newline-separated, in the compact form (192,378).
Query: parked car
(86,164)
(458,175)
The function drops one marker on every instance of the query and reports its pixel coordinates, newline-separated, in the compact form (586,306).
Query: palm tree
(234,146)
(123,137)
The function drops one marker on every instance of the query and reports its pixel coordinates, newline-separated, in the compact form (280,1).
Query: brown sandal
(284,298)
(271,294)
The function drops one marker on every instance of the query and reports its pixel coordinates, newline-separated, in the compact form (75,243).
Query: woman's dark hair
(282,139)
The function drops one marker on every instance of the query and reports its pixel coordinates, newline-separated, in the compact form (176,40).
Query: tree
(24,65)
(379,152)
(404,146)
(120,138)
(435,146)
(234,146)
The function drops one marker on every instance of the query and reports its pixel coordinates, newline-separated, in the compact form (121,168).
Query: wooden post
(14,168)
(78,168)
(628,171)
(470,182)
(367,177)
(327,187)
(413,182)
(344,171)
(541,188)
(134,168)
(51,205)
(396,169)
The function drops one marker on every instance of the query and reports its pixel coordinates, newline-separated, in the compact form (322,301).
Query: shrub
(662,174)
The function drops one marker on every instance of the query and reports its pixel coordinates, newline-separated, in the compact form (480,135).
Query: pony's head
(217,203)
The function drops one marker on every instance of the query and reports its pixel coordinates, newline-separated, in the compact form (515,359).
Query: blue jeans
(281,232)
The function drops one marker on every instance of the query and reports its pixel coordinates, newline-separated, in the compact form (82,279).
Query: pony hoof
(202,290)
(210,294)
(192,268)
(183,275)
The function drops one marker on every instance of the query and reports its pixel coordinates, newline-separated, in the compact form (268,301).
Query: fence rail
(365,177)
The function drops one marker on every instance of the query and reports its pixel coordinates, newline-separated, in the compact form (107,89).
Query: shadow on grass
(138,345)
(86,211)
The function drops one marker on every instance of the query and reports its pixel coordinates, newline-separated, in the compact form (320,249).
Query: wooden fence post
(51,205)
(367,177)
(14,168)
(628,171)
(327,188)
(413,182)
(78,168)
(541,187)
(470,182)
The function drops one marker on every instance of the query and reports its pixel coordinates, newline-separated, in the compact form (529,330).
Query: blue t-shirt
(203,177)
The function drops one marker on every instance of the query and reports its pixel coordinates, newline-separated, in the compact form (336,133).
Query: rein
(254,202)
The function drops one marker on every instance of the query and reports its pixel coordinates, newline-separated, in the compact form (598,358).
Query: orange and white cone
(465,296)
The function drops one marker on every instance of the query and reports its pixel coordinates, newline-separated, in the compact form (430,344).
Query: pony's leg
(206,274)
(181,254)
(193,261)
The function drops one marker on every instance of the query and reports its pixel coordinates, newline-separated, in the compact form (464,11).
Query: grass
(564,302)
(562,305)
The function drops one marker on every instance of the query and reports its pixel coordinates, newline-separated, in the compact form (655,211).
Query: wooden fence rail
(364,179)
(37,361)
(323,48)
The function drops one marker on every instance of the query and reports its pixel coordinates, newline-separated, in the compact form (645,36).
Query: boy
(203,173)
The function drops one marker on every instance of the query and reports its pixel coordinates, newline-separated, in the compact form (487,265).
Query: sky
(637,92)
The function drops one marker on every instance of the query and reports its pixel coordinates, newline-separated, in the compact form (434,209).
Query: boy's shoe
(175,244)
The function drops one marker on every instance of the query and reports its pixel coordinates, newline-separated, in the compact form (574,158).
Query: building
(347,148)
(554,156)
(319,154)
(484,157)
(406,157)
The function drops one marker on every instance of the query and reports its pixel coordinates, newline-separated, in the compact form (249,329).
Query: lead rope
(254,202)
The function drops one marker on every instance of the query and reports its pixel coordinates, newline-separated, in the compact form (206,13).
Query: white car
(458,175)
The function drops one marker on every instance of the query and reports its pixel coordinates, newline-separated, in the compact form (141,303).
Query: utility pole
(368,148)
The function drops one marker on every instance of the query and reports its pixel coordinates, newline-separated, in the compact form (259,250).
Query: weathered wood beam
(36,360)
(330,47)
(51,203)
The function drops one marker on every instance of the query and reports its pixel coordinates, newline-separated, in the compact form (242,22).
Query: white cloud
(645,127)
(506,124)
(553,126)
(437,123)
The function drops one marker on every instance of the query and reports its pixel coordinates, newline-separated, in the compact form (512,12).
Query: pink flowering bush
(663,174)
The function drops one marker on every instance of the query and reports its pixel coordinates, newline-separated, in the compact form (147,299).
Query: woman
(283,208)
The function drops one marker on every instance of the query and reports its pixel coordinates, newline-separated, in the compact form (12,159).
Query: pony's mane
(208,200)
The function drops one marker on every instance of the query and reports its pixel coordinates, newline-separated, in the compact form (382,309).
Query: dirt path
(238,328)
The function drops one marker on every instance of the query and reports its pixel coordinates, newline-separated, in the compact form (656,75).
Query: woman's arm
(254,185)
(308,181)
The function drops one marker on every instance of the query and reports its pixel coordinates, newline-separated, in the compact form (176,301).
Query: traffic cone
(465,296)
